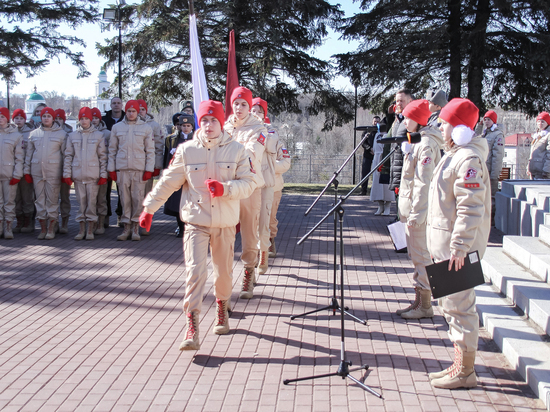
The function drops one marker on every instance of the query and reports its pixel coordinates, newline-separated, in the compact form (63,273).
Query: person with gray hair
(438,100)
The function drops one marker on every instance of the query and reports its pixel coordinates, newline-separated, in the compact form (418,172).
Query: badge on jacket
(285,153)
(426,161)
(251,167)
(261,139)
(470,173)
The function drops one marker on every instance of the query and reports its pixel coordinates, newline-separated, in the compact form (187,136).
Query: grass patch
(315,189)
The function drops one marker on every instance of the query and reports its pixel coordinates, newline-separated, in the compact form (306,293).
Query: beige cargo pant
(131,189)
(265,217)
(46,194)
(86,195)
(7,201)
(101,205)
(273,222)
(461,315)
(65,203)
(195,248)
(24,200)
(250,222)
(417,249)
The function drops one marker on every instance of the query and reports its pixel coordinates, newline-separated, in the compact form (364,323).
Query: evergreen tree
(273,44)
(492,52)
(30,50)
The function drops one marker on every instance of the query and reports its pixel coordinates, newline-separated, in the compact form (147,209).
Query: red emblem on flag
(470,173)
(261,139)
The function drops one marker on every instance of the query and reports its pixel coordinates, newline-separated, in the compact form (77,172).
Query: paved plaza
(96,325)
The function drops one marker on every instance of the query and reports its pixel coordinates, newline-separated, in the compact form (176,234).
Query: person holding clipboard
(458,222)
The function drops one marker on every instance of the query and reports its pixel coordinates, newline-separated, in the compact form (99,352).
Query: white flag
(200,92)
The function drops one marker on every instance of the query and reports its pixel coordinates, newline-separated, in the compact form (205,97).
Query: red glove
(67,180)
(14,181)
(396,190)
(215,187)
(102,181)
(28,178)
(156,172)
(112,175)
(147,176)
(145,220)
(380,169)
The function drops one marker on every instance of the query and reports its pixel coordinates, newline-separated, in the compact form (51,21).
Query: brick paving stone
(96,326)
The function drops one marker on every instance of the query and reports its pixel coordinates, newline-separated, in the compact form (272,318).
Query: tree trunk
(455,55)
(477,45)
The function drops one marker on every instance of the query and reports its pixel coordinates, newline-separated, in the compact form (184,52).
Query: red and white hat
(211,108)
(96,112)
(460,111)
(48,110)
(85,112)
(132,104)
(262,103)
(61,113)
(5,112)
(544,116)
(491,114)
(142,103)
(19,112)
(419,111)
(242,93)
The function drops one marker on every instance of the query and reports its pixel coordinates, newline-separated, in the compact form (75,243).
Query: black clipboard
(445,283)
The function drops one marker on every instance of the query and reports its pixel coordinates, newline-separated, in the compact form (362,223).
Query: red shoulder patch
(472,185)
(470,173)
(261,139)
(285,152)
(426,161)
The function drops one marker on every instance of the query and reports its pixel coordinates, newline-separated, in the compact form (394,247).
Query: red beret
(48,110)
(96,112)
(211,108)
(5,112)
(491,114)
(85,112)
(262,103)
(142,103)
(60,113)
(460,111)
(19,112)
(132,104)
(419,111)
(242,93)
(544,116)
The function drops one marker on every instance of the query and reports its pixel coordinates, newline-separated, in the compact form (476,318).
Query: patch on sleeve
(261,139)
(251,166)
(471,185)
(426,161)
(285,152)
(271,131)
(470,173)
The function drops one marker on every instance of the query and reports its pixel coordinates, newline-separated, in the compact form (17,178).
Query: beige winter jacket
(282,164)
(418,168)
(539,161)
(252,134)
(11,153)
(270,156)
(44,158)
(85,156)
(459,209)
(195,161)
(106,134)
(26,131)
(495,141)
(131,147)
(158,135)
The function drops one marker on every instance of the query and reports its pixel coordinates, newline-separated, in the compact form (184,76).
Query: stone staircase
(514,306)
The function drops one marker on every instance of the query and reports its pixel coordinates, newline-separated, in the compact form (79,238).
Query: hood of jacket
(101,126)
(478,145)
(433,133)
(55,127)
(90,129)
(10,129)
(223,139)
(251,120)
(26,128)
(138,120)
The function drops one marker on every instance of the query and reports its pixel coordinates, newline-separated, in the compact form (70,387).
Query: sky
(61,76)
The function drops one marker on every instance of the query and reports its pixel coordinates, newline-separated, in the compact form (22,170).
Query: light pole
(114,15)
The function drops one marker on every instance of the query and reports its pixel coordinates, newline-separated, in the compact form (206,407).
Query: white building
(101,86)
(32,101)
(517,149)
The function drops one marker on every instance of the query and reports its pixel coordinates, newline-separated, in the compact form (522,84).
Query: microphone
(409,137)
(378,128)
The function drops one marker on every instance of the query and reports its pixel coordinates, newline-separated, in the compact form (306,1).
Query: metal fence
(313,168)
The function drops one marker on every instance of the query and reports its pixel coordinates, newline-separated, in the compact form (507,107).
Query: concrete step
(530,252)
(517,338)
(524,289)
(544,234)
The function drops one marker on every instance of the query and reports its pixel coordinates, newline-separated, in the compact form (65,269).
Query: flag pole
(191,7)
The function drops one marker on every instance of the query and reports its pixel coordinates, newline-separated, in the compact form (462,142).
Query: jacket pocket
(226,171)
(196,174)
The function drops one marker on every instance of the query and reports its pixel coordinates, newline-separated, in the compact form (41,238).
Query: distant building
(32,101)
(517,149)
(101,86)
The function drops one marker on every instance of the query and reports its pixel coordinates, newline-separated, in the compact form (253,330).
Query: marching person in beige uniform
(214,173)
(459,221)
(11,170)
(102,207)
(495,140)
(158,135)
(85,162)
(250,131)
(131,164)
(282,164)
(44,168)
(24,200)
(65,190)
(259,109)
(539,160)
(419,161)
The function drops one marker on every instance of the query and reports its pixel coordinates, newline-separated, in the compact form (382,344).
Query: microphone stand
(344,366)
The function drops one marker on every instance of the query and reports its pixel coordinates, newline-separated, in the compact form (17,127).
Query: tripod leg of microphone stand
(363,322)
(365,387)
(326,375)
(310,312)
